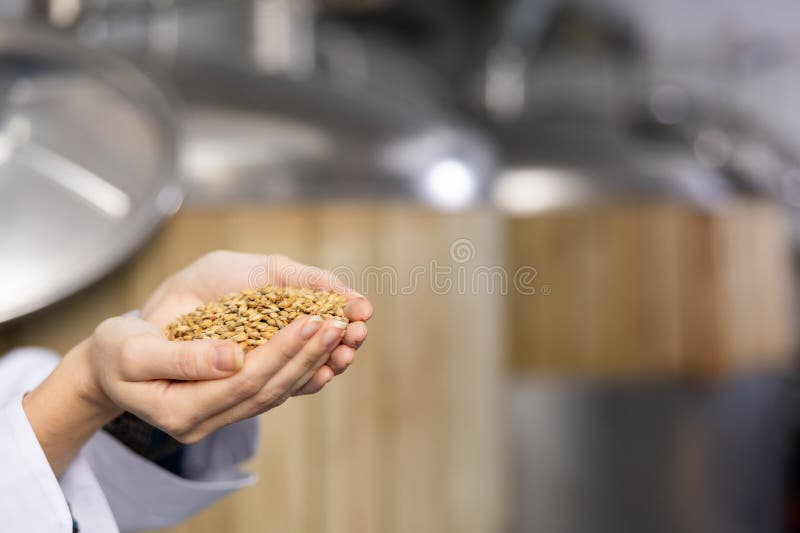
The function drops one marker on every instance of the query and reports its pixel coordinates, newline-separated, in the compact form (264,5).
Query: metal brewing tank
(648,373)
(648,367)
(77,196)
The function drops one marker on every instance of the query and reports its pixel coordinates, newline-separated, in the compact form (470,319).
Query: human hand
(187,389)
(222,272)
(174,385)
(190,389)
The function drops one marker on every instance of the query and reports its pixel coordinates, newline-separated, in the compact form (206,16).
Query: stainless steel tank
(87,166)
(649,365)
(648,369)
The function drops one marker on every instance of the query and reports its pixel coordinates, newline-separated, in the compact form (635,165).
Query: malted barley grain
(253,316)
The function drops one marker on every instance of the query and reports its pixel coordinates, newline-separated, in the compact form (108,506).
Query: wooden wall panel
(653,290)
(406,440)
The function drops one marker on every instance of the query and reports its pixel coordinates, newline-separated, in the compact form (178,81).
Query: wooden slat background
(409,438)
(653,290)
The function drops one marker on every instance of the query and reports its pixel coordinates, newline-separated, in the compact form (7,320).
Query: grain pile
(253,316)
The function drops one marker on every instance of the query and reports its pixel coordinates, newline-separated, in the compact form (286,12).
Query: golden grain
(253,316)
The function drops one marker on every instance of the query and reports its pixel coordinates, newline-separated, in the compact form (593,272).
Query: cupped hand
(175,386)
(222,272)
(188,389)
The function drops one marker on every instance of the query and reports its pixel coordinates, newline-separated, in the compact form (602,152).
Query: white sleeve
(142,495)
(31,498)
(107,485)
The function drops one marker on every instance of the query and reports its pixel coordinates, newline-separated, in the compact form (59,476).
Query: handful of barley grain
(253,316)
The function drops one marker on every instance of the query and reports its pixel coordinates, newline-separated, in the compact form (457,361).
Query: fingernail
(333,334)
(228,357)
(311,327)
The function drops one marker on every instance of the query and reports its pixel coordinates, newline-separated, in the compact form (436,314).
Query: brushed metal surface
(87,159)
(251,137)
(659,457)
(548,165)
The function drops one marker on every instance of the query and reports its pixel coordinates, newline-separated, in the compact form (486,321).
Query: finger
(358,310)
(287,271)
(317,382)
(355,334)
(223,271)
(341,358)
(295,373)
(313,355)
(140,353)
(288,380)
(299,275)
(148,357)
(262,364)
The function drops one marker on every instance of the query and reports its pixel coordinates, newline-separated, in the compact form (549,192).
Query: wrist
(67,408)
(95,405)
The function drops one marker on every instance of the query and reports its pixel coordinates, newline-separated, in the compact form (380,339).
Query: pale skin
(191,389)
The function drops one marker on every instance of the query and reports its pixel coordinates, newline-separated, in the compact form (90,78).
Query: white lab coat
(107,488)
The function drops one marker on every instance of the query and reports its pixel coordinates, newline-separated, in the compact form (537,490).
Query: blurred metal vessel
(658,456)
(254,138)
(649,367)
(274,36)
(649,377)
(556,165)
(87,170)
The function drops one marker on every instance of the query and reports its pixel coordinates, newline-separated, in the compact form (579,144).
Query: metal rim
(140,90)
(252,95)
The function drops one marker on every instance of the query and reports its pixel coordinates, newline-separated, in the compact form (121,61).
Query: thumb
(150,357)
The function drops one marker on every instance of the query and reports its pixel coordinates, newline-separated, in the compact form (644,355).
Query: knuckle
(285,352)
(186,363)
(248,386)
(168,424)
(309,361)
(308,388)
(129,352)
(279,401)
(192,437)
(126,364)
(106,325)
(270,397)
(176,424)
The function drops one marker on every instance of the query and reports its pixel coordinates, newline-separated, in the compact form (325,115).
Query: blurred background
(579,222)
